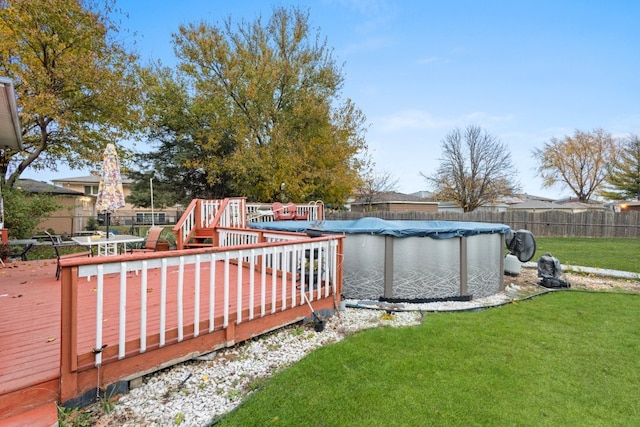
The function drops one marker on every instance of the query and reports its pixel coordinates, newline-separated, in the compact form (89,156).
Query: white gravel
(197,392)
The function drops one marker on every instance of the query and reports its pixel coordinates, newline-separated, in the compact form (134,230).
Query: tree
(475,169)
(624,181)
(261,107)
(179,130)
(76,87)
(375,183)
(581,162)
(25,211)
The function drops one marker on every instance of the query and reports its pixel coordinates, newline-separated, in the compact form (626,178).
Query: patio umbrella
(110,194)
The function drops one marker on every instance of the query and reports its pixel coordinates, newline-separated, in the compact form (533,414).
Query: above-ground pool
(413,260)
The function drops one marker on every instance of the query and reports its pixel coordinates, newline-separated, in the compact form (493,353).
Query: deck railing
(230,213)
(260,212)
(207,214)
(149,309)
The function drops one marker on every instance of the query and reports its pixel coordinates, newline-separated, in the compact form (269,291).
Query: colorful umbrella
(110,194)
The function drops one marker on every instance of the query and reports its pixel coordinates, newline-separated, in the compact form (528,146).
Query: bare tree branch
(375,183)
(475,169)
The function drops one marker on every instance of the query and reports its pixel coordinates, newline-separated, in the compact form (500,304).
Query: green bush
(23,212)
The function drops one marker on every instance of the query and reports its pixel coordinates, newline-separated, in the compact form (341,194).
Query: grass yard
(614,254)
(563,359)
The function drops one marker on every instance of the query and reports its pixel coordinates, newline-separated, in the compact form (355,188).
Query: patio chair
(19,252)
(150,243)
(291,207)
(56,242)
(280,212)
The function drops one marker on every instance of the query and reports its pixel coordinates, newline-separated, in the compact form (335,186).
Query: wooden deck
(38,311)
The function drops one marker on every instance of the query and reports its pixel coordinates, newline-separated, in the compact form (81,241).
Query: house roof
(89,179)
(10,136)
(423,194)
(540,204)
(40,187)
(393,197)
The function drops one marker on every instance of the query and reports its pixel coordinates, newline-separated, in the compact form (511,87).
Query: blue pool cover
(402,228)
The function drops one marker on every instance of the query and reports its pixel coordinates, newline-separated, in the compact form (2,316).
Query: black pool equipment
(522,246)
(550,272)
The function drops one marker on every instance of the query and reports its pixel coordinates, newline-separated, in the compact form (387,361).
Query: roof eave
(10,136)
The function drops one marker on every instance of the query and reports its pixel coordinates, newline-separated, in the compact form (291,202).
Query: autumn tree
(259,105)
(581,162)
(181,126)
(475,169)
(76,87)
(624,181)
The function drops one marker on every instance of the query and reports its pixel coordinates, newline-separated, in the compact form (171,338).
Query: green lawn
(564,359)
(614,254)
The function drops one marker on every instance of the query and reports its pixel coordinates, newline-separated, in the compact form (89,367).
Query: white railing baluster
(274,284)
(143,307)
(252,270)
(239,289)
(317,268)
(99,311)
(285,268)
(122,318)
(163,303)
(180,299)
(225,298)
(196,299)
(324,265)
(263,282)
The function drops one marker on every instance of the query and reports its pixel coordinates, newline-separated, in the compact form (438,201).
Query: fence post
(69,333)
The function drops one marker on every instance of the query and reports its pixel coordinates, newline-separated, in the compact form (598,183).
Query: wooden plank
(27,398)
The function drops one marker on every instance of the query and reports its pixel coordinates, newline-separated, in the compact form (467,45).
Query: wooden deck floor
(30,333)
(30,311)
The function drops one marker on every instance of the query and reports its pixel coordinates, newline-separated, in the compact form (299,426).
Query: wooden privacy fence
(544,224)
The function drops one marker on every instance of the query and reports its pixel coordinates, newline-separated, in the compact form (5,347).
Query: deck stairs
(199,225)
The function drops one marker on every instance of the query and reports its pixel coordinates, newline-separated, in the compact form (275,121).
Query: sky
(525,71)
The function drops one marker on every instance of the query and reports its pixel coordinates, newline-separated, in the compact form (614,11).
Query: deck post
(230,331)
(69,334)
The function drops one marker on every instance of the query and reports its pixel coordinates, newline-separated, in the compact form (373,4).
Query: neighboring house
(128,215)
(392,201)
(541,204)
(75,209)
(629,206)
(528,202)
(449,207)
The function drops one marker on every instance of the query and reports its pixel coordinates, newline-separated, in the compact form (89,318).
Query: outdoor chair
(280,212)
(150,243)
(291,207)
(19,252)
(56,242)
